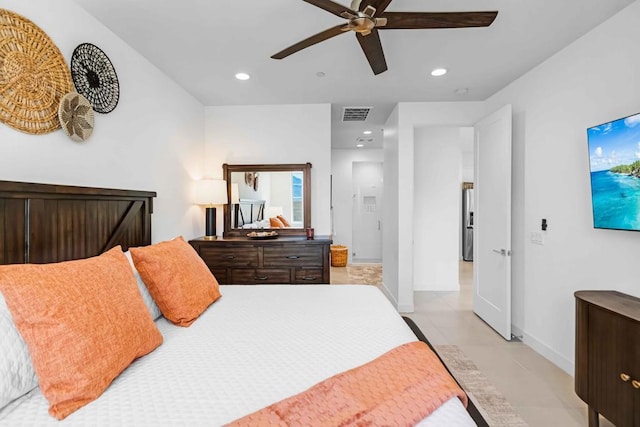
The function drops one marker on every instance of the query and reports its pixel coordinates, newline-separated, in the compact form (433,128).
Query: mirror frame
(305,168)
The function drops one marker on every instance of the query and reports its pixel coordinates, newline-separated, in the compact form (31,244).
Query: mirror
(268,197)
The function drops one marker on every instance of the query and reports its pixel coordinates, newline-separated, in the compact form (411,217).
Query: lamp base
(210,224)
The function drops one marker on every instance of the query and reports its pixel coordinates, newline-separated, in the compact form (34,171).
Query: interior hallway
(540,392)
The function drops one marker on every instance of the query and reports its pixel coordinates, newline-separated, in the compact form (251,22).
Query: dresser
(607,370)
(285,260)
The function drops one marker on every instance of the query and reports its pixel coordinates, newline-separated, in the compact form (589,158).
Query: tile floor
(541,393)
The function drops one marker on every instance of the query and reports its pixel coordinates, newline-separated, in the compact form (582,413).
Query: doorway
(367,180)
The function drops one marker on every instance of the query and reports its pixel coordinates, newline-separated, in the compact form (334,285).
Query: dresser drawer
(308,276)
(293,256)
(251,276)
(220,275)
(286,260)
(219,257)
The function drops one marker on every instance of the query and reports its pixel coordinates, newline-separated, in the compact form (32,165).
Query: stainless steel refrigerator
(467,224)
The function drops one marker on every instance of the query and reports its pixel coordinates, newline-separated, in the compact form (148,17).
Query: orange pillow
(177,278)
(275,223)
(84,322)
(284,221)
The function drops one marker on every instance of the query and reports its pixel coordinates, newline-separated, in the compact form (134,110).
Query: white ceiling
(202,44)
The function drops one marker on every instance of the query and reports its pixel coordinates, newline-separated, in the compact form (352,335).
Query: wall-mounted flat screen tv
(614,157)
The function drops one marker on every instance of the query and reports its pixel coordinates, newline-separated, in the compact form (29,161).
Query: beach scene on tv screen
(614,154)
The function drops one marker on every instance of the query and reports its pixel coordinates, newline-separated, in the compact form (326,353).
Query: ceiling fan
(365,17)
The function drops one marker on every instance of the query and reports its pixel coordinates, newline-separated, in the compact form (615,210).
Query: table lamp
(209,193)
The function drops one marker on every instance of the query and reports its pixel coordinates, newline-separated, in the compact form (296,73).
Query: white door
(367,215)
(492,222)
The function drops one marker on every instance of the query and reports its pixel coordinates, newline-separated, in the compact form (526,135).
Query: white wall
(251,134)
(341,170)
(390,212)
(153,140)
(594,80)
(438,161)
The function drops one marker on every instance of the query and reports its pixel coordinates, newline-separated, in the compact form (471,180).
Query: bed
(249,213)
(254,346)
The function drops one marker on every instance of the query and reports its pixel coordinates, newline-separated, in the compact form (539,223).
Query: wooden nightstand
(607,373)
(285,260)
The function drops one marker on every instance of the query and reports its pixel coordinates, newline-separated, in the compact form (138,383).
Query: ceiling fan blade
(379,5)
(420,20)
(320,37)
(332,7)
(372,49)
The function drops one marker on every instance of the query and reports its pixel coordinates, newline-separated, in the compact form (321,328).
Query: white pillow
(146,296)
(17,375)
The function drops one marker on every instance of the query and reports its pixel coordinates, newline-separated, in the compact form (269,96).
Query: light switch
(537,237)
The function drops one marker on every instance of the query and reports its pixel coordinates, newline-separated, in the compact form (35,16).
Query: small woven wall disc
(95,78)
(76,116)
(33,76)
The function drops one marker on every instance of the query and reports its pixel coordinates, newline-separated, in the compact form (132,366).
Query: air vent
(355,114)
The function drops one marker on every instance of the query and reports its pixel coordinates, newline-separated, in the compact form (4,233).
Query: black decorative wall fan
(95,78)
(366,17)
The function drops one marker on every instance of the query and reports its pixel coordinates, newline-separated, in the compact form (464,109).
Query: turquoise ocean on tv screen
(616,200)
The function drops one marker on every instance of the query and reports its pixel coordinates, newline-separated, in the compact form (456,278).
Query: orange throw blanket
(399,388)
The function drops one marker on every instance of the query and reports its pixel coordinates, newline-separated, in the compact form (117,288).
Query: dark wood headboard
(49,223)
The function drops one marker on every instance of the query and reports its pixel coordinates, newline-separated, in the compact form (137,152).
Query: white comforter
(255,346)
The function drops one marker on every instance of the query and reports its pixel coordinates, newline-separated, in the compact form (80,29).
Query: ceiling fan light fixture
(243,76)
(439,72)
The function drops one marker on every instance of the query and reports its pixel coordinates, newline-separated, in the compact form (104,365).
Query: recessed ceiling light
(243,76)
(439,72)
(359,145)
(367,132)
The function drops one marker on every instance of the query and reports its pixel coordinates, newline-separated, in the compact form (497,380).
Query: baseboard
(387,294)
(549,353)
(436,288)
(357,261)
(517,332)
(406,308)
(401,308)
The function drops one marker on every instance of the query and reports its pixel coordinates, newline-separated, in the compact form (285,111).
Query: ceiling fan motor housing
(362,25)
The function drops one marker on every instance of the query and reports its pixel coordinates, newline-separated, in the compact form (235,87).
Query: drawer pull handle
(625,377)
(293,257)
(309,278)
(261,278)
(635,384)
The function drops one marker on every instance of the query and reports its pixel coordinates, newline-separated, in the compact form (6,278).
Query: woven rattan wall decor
(76,116)
(33,76)
(95,78)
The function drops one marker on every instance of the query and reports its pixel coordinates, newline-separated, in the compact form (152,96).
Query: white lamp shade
(235,194)
(209,192)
